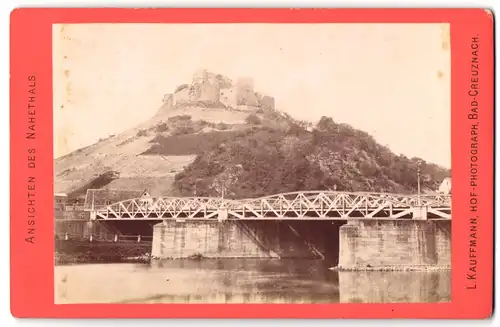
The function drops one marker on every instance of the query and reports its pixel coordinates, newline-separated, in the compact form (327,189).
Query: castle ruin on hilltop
(216,89)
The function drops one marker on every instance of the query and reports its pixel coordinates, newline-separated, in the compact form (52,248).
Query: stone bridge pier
(269,239)
(395,244)
(356,244)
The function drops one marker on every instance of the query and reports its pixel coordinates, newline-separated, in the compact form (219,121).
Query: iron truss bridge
(315,205)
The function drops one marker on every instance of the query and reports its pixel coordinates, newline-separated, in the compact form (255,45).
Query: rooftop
(107,196)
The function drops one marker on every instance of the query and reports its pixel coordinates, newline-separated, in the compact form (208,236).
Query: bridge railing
(116,238)
(71,215)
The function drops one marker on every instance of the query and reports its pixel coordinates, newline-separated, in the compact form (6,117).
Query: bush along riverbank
(73,252)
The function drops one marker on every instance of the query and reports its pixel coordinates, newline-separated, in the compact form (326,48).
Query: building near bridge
(60,202)
(60,199)
(445,186)
(103,197)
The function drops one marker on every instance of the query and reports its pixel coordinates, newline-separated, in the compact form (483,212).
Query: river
(243,281)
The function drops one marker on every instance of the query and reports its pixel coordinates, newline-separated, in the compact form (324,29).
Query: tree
(253,119)
(326,124)
(223,182)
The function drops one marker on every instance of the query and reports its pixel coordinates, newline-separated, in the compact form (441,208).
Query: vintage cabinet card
(181,160)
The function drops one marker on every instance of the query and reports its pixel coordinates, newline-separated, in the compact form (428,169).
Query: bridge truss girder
(297,205)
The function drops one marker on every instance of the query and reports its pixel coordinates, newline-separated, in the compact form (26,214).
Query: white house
(445,186)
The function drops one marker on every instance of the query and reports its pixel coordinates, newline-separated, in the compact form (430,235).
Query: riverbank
(85,258)
(65,258)
(81,252)
(74,252)
(393,268)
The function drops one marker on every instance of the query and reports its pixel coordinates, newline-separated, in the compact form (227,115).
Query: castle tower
(245,94)
(267,103)
(200,76)
(205,87)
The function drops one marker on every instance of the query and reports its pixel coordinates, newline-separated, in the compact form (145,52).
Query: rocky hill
(202,142)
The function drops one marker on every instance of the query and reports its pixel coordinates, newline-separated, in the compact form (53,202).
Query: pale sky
(390,80)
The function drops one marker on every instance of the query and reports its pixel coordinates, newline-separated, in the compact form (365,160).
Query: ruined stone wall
(205,87)
(207,92)
(248,108)
(223,81)
(215,88)
(227,96)
(200,76)
(267,103)
(181,96)
(395,243)
(247,97)
(245,94)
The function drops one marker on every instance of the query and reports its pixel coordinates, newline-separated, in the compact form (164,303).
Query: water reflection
(394,286)
(239,281)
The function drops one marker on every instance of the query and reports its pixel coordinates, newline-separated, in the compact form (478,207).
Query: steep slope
(126,155)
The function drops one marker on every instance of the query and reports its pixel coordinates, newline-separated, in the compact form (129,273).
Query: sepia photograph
(252,163)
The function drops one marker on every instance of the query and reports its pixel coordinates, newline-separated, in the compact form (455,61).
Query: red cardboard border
(32,265)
